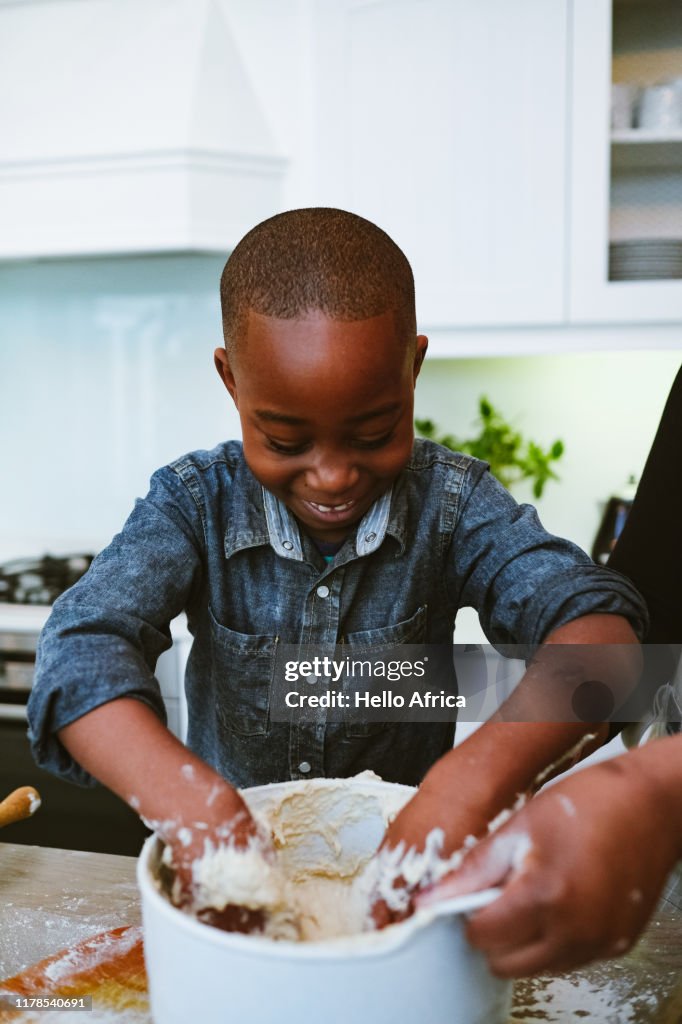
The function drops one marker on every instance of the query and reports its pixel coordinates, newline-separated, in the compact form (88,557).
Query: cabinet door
(640,196)
(444,121)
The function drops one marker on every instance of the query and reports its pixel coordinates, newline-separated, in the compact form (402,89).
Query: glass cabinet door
(626,182)
(645,223)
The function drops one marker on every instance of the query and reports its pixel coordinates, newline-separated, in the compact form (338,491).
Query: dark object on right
(649,548)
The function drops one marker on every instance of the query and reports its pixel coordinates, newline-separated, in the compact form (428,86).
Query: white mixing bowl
(421,971)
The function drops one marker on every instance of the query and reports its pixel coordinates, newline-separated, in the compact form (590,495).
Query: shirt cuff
(50,713)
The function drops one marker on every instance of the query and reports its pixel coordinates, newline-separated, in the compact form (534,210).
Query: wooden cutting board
(109,967)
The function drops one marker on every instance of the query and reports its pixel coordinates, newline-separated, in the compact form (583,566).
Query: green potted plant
(511,457)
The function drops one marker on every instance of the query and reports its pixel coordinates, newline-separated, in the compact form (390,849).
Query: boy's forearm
(584,671)
(534,735)
(127,748)
(488,771)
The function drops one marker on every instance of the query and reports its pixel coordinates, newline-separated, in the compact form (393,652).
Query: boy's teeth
(332,508)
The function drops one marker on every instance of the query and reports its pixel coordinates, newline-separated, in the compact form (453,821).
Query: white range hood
(128,126)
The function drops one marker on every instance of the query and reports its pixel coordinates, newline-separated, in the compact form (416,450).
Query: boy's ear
(222,365)
(420,352)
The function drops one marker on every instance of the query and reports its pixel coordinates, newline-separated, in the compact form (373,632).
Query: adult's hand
(581,865)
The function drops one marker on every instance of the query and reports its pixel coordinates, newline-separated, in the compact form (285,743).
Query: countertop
(50,899)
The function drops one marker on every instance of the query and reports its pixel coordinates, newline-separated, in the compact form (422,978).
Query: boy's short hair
(317,258)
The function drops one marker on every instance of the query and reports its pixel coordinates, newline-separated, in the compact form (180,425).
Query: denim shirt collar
(258,518)
(286,539)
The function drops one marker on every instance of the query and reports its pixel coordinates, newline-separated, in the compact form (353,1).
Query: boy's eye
(374,442)
(297,449)
(286,449)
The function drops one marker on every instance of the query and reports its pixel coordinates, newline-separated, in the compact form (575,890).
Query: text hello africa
(367,699)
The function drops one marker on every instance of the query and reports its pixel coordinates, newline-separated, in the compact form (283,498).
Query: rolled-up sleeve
(106,633)
(523,581)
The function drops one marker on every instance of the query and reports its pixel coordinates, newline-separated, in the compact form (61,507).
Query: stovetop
(40,581)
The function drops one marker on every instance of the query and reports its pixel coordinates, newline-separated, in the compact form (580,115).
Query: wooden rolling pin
(20,804)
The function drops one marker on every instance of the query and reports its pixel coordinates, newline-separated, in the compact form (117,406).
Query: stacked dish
(645,259)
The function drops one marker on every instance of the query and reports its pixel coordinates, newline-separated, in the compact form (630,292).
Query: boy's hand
(530,738)
(429,809)
(189,841)
(582,866)
(125,746)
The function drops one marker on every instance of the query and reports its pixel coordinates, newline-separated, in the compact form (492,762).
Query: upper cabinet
(479,135)
(128,128)
(445,122)
(625,240)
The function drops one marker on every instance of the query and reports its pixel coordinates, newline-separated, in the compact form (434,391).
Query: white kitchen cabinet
(445,122)
(625,184)
(128,128)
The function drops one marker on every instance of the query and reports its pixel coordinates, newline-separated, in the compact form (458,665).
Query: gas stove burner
(40,580)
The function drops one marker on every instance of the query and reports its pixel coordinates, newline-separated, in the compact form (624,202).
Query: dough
(324,877)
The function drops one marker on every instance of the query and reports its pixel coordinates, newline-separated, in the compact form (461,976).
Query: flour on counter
(573,997)
(90,954)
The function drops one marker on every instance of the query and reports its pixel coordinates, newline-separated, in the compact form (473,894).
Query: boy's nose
(332,480)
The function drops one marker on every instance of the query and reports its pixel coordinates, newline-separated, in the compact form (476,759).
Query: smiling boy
(330,525)
(326,386)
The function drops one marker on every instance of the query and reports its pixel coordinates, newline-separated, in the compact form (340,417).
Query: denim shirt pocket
(376,643)
(242,666)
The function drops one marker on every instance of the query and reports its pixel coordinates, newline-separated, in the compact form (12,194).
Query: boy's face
(326,408)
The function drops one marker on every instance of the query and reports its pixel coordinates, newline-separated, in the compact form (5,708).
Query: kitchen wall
(106,372)
(604,406)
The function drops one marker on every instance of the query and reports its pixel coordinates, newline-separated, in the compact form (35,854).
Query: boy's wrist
(218,806)
(464,786)
(501,761)
(200,800)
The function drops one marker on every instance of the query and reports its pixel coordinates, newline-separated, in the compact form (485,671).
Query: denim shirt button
(370,537)
(323,591)
(287,545)
(304,767)
(312,678)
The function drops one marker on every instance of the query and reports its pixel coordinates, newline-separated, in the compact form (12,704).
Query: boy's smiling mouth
(341,513)
(332,508)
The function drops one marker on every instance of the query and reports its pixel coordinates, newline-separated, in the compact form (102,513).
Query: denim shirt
(209,540)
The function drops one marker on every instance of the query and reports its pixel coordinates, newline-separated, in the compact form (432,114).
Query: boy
(331,526)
